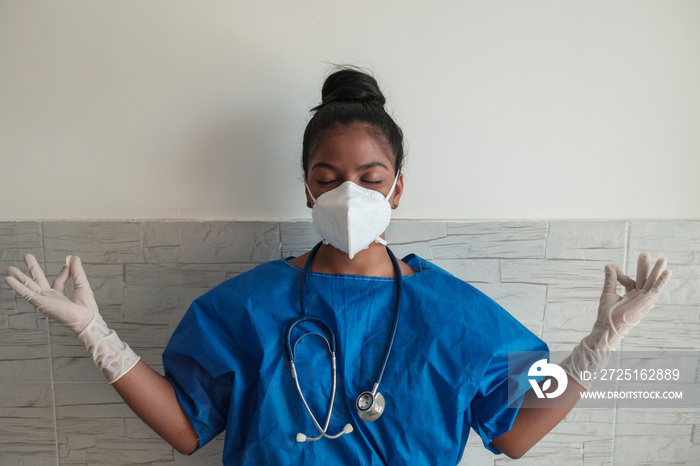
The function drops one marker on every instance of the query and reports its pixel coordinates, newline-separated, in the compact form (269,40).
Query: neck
(373,261)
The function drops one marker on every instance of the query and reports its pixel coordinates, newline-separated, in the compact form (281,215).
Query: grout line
(48,335)
(624,270)
(279,235)
(53,391)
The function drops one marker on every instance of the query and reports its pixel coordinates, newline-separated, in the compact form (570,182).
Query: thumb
(610,285)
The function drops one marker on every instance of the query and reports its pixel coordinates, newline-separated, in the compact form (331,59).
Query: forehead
(349,146)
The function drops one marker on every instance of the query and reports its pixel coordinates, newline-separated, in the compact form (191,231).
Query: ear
(398,190)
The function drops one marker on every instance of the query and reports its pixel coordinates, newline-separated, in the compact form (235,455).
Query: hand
(74,311)
(618,314)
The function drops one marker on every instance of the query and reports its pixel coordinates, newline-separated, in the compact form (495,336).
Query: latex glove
(617,315)
(77,311)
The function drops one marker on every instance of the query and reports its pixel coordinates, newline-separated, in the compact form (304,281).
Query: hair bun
(351,85)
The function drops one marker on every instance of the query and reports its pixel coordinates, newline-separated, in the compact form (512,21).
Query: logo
(543,368)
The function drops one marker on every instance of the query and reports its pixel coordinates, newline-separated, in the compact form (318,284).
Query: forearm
(536,418)
(152,397)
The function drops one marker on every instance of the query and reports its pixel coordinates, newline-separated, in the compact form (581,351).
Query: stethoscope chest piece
(370,406)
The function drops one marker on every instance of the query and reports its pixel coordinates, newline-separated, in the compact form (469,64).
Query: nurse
(430,350)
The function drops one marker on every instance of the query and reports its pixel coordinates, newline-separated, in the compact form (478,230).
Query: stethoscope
(370,404)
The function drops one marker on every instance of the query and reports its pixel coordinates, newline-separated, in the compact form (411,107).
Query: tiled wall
(55,408)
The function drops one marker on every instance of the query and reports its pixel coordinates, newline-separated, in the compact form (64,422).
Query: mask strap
(391,191)
(308,190)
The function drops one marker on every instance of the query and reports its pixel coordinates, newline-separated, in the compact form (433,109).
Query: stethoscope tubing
(331,342)
(394,325)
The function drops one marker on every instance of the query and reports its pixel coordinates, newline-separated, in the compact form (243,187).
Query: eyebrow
(361,168)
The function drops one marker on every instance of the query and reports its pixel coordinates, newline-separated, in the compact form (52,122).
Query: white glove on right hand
(77,311)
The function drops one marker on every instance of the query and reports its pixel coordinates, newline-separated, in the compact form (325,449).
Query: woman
(421,356)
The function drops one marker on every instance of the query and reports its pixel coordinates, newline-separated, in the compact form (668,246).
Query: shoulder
(439,279)
(239,288)
(460,302)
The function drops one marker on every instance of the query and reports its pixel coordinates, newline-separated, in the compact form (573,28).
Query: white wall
(512,109)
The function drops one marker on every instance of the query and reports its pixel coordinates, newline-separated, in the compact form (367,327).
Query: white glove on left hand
(617,315)
(77,311)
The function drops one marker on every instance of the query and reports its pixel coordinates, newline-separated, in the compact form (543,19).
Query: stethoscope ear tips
(347,429)
(301,438)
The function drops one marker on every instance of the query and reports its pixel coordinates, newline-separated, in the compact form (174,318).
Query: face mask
(351,217)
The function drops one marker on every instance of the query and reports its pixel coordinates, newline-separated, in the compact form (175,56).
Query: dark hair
(351,95)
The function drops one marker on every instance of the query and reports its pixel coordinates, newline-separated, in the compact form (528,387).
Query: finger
(610,285)
(659,267)
(624,280)
(661,282)
(18,276)
(20,288)
(35,271)
(76,270)
(643,266)
(59,283)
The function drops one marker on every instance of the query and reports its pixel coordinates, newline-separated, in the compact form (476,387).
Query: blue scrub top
(448,370)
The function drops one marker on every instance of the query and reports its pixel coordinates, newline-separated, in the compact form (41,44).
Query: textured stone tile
(110,450)
(552,450)
(477,240)
(162,241)
(29,459)
(297,238)
(419,249)
(554,272)
(95,242)
(476,454)
(694,455)
(666,416)
(76,369)
(184,275)
(89,401)
(654,443)
(143,335)
(7,298)
(605,241)
(566,323)
(569,281)
(408,232)
(26,422)
(656,334)
(158,234)
(79,428)
(18,239)
(588,424)
(472,270)
(24,354)
(678,241)
(524,302)
(158,304)
(100,441)
(597,452)
(229,242)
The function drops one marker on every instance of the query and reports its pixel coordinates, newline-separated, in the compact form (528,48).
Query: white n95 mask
(351,217)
